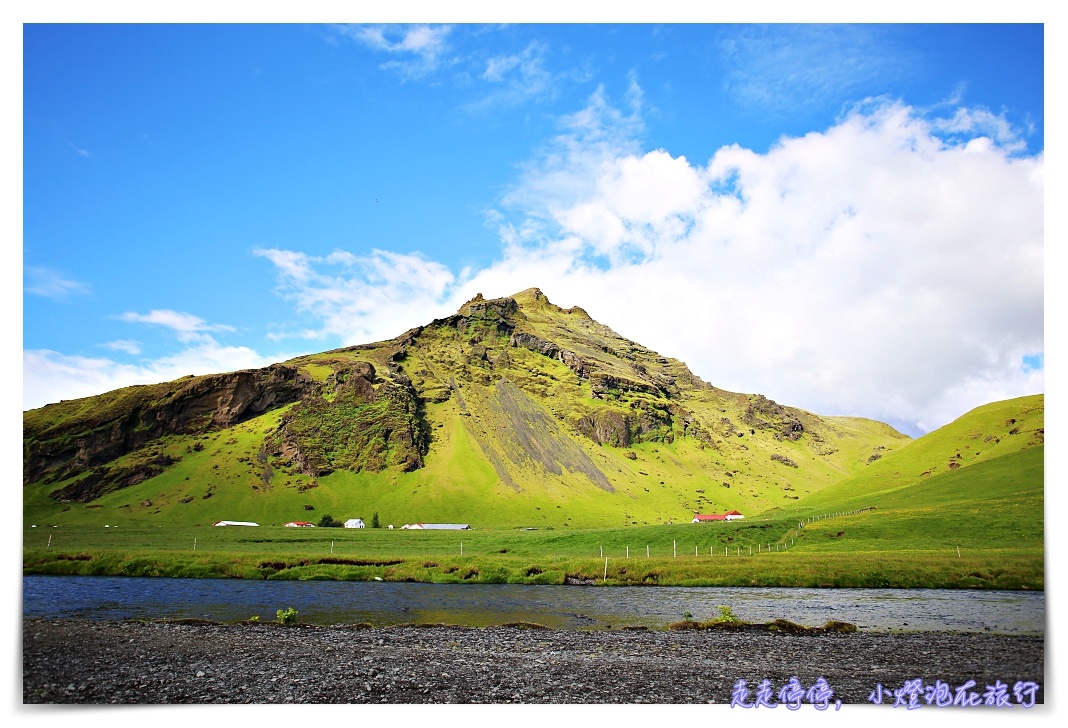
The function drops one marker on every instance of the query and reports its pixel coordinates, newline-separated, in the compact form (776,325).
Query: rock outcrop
(72,437)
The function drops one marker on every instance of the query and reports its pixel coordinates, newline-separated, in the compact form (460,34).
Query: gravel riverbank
(73,661)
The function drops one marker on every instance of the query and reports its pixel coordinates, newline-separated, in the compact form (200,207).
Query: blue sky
(845,218)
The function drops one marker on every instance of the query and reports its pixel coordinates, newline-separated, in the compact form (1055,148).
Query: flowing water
(570,607)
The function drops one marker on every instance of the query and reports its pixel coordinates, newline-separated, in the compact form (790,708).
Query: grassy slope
(980,436)
(993,499)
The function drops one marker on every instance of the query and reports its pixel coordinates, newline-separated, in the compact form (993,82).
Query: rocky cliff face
(364,422)
(69,438)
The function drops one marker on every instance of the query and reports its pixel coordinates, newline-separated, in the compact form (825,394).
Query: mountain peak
(512,401)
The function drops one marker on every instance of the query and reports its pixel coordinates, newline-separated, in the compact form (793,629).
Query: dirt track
(130,662)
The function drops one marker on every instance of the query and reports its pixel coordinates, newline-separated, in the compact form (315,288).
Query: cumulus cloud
(884,267)
(50,283)
(568,166)
(890,266)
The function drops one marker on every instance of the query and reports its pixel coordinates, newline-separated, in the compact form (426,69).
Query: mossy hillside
(511,412)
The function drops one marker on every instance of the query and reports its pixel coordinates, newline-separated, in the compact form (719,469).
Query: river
(561,607)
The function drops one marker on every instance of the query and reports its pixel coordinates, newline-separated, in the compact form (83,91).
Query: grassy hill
(511,413)
(977,483)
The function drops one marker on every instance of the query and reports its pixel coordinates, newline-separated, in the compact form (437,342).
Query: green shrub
(726,616)
(287,616)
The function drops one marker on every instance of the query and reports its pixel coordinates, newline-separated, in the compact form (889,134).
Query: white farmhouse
(354,523)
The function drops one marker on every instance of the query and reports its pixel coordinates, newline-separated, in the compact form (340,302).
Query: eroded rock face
(765,414)
(623,429)
(56,447)
(370,423)
(534,343)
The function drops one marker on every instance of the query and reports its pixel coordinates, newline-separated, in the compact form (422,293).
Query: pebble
(276,664)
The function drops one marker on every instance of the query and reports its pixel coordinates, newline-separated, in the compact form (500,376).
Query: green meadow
(904,547)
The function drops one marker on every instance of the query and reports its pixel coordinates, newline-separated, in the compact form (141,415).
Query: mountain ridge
(513,402)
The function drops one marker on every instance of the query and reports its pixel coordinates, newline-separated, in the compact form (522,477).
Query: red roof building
(728,516)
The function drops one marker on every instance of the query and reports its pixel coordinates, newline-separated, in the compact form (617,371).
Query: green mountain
(512,412)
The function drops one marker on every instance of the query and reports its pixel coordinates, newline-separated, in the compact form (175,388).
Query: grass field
(759,553)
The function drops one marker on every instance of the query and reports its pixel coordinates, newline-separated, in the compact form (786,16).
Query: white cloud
(889,267)
(79,151)
(776,69)
(420,47)
(361,299)
(874,269)
(516,78)
(969,122)
(125,345)
(49,283)
(49,376)
(189,328)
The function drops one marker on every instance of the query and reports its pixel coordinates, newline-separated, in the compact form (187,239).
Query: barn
(300,524)
(354,523)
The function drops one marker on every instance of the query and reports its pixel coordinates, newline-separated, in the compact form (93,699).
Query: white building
(438,526)
(354,523)
(234,523)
